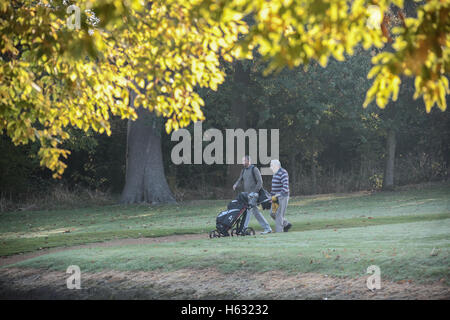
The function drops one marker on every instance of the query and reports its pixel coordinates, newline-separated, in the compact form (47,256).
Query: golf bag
(235,216)
(264,199)
(236,210)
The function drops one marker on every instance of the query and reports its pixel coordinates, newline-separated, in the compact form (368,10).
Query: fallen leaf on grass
(435,252)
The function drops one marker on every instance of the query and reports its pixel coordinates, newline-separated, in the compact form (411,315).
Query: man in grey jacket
(252,180)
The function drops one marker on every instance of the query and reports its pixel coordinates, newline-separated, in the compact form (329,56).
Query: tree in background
(145,179)
(52,76)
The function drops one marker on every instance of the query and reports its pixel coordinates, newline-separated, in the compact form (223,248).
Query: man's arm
(238,182)
(285,182)
(259,181)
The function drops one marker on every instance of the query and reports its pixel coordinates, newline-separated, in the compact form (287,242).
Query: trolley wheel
(214,234)
(249,232)
(234,232)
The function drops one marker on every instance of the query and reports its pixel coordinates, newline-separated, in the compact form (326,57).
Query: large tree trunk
(314,176)
(292,172)
(145,178)
(388,180)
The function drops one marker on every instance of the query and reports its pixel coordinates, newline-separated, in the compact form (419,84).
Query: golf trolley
(233,219)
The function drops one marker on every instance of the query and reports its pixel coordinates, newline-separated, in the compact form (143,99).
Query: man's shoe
(266,232)
(288,226)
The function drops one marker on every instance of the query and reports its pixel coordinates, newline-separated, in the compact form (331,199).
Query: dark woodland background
(328,141)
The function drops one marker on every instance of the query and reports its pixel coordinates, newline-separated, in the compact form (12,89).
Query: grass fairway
(30,231)
(402,251)
(405,233)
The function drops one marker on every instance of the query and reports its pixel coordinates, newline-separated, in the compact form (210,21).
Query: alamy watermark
(74,281)
(74,19)
(213,153)
(374,281)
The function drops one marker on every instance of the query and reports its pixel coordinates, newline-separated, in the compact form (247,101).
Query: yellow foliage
(162,50)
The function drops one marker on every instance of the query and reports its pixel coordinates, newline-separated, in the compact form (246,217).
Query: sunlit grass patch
(29,231)
(402,251)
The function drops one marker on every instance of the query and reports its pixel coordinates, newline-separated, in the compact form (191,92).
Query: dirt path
(4,261)
(18,283)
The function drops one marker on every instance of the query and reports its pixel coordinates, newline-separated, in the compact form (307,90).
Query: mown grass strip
(402,251)
(23,245)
